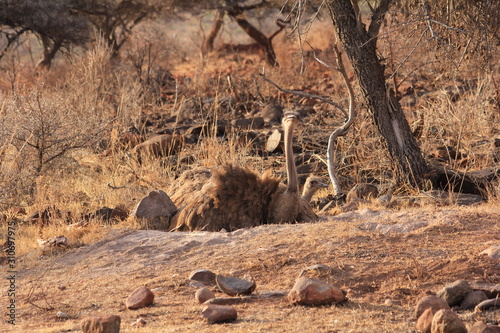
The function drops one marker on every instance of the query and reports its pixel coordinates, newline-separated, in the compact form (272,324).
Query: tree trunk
(208,44)
(50,49)
(388,116)
(264,42)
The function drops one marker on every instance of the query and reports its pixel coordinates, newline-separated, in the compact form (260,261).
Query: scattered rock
(248,123)
(492,252)
(307,291)
(447,321)
(139,298)
(272,111)
(491,290)
(233,286)
(158,146)
(455,292)
(481,327)
(140,322)
(363,191)
(58,241)
(316,270)
(61,315)
(228,300)
(204,276)
(219,313)
(204,294)
(430,301)
(275,142)
(105,324)
(472,299)
(424,322)
(489,303)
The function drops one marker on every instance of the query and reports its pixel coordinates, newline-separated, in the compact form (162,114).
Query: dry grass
(89,100)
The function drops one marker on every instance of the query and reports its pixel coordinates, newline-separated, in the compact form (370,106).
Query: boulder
(103,324)
(447,321)
(430,301)
(308,291)
(219,313)
(204,294)
(455,292)
(139,298)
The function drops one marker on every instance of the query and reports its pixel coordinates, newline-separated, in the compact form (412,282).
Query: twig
(303,94)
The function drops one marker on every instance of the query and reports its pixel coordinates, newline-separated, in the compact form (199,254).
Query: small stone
(318,270)
(472,299)
(481,327)
(430,301)
(139,298)
(204,276)
(228,300)
(61,287)
(219,313)
(105,324)
(491,290)
(61,315)
(492,252)
(455,292)
(307,291)
(140,322)
(447,321)
(424,322)
(233,286)
(487,304)
(362,191)
(204,294)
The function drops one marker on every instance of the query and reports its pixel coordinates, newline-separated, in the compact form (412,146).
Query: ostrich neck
(307,193)
(291,171)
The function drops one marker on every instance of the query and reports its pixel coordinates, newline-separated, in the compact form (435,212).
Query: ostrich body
(236,197)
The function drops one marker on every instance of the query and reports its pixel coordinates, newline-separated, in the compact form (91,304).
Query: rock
(248,123)
(204,276)
(472,299)
(204,294)
(447,321)
(272,111)
(228,300)
(233,286)
(140,322)
(362,191)
(58,241)
(275,142)
(307,291)
(158,146)
(424,322)
(492,252)
(489,303)
(430,301)
(219,313)
(157,208)
(105,324)
(481,327)
(61,315)
(455,292)
(491,290)
(140,298)
(317,270)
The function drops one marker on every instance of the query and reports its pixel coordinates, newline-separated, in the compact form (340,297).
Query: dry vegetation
(61,147)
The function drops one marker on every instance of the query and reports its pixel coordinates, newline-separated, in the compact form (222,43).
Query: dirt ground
(383,269)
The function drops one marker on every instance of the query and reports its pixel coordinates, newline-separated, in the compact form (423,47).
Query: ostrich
(236,197)
(311,186)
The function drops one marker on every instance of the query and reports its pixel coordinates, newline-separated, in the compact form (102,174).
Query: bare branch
(304,94)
